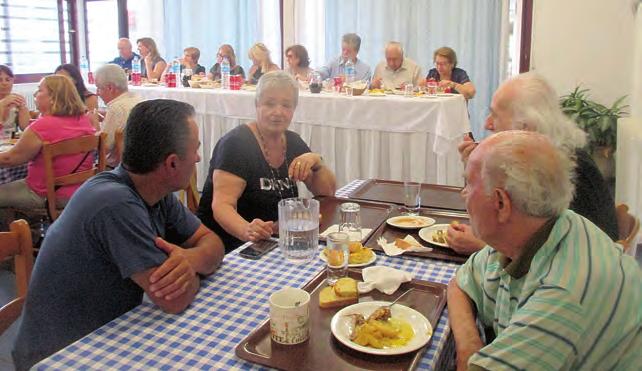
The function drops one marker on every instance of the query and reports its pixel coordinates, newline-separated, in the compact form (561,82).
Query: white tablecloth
(359,137)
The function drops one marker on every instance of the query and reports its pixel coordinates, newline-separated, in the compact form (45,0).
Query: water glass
(299,229)
(337,255)
(350,221)
(411,197)
(408,91)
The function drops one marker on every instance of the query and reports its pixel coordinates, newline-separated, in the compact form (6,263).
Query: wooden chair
(628,226)
(16,244)
(84,144)
(119,142)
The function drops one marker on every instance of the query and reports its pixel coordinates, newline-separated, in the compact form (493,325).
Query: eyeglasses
(442,64)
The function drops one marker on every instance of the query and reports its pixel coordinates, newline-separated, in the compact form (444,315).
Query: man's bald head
(125,48)
(394,55)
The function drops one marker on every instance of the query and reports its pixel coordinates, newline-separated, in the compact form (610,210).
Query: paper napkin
(335,228)
(384,279)
(391,249)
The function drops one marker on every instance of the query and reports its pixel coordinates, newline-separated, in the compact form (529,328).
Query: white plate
(445,94)
(372,260)
(341,327)
(426,234)
(376,94)
(422,221)
(5,147)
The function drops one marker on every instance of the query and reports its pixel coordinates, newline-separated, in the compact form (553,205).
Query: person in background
(298,62)
(111,86)
(350,45)
(256,165)
(528,102)
(189,60)
(89,99)
(261,63)
(13,107)
(152,64)
(396,71)
(557,292)
(125,55)
(62,117)
(450,77)
(225,51)
(123,234)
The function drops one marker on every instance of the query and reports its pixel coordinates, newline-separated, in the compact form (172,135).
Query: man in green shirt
(556,290)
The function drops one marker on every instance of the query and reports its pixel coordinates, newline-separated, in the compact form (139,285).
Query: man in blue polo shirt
(126,54)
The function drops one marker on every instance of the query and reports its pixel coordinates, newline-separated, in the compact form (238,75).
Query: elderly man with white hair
(396,71)
(553,287)
(111,86)
(528,102)
(125,54)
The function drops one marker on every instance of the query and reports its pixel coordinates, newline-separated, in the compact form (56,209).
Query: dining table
(11,173)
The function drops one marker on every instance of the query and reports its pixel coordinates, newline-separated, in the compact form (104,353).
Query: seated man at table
(122,234)
(350,44)
(111,87)
(125,54)
(528,102)
(396,71)
(554,288)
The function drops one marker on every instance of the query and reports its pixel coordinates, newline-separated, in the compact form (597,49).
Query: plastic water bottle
(84,69)
(136,72)
(225,73)
(351,73)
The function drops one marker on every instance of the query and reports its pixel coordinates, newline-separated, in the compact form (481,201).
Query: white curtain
(207,24)
(472,28)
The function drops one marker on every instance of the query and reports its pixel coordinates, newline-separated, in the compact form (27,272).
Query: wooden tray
(432,195)
(438,252)
(323,352)
(372,214)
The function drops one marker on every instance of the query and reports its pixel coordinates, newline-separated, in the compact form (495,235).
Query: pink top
(54,129)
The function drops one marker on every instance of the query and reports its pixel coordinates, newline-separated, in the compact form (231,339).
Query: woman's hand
(460,238)
(301,167)
(13,100)
(258,230)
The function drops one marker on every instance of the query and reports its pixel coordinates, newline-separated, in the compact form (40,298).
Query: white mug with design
(290,316)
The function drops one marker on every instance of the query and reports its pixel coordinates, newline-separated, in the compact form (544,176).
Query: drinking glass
(411,197)
(408,91)
(337,255)
(299,229)
(315,83)
(350,221)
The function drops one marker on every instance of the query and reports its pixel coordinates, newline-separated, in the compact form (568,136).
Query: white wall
(585,41)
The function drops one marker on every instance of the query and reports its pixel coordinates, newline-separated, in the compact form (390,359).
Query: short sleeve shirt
(239,153)
(458,75)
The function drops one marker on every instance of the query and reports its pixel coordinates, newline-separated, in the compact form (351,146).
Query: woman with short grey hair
(256,165)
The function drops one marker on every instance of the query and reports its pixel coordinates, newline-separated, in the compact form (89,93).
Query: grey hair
(353,40)
(539,181)
(535,107)
(112,74)
(394,44)
(277,80)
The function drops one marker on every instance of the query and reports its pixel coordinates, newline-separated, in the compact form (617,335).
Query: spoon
(399,297)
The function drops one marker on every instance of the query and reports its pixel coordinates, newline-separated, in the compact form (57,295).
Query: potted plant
(600,124)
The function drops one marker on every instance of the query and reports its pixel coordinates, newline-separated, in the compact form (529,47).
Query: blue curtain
(472,28)
(208,24)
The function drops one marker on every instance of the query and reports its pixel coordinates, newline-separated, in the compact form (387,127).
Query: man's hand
(174,276)
(376,83)
(460,238)
(466,147)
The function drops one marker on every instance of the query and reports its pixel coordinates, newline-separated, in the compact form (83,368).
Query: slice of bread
(346,287)
(328,298)
(403,244)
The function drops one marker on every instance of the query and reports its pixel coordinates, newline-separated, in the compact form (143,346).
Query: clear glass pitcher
(299,229)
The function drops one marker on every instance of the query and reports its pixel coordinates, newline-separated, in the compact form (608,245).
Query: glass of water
(350,221)
(337,255)
(299,229)
(408,91)
(411,197)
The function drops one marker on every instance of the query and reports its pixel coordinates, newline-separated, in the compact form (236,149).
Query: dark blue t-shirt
(126,63)
(82,277)
(458,75)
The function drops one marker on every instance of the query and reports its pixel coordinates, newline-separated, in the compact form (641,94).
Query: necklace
(274,172)
(266,151)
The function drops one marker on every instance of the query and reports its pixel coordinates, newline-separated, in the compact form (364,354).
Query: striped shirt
(579,306)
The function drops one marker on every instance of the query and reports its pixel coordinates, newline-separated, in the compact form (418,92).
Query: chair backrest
(80,145)
(119,143)
(628,226)
(16,243)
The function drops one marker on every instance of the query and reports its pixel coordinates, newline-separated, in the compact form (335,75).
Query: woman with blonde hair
(261,62)
(62,117)
(153,65)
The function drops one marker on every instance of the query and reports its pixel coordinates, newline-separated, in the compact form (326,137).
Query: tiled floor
(8,292)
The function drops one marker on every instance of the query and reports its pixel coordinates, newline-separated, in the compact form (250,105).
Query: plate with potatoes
(435,234)
(360,256)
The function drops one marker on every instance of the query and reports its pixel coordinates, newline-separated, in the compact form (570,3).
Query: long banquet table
(362,137)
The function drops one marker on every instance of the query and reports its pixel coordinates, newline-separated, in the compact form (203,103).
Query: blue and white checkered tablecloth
(230,304)
(349,188)
(10,174)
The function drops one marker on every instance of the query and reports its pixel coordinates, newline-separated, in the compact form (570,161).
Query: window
(102,31)
(35,35)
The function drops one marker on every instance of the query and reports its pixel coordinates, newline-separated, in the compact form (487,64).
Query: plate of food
(376,93)
(375,328)
(410,221)
(445,94)
(359,256)
(435,234)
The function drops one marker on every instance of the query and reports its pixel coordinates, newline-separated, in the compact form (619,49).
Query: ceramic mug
(290,316)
